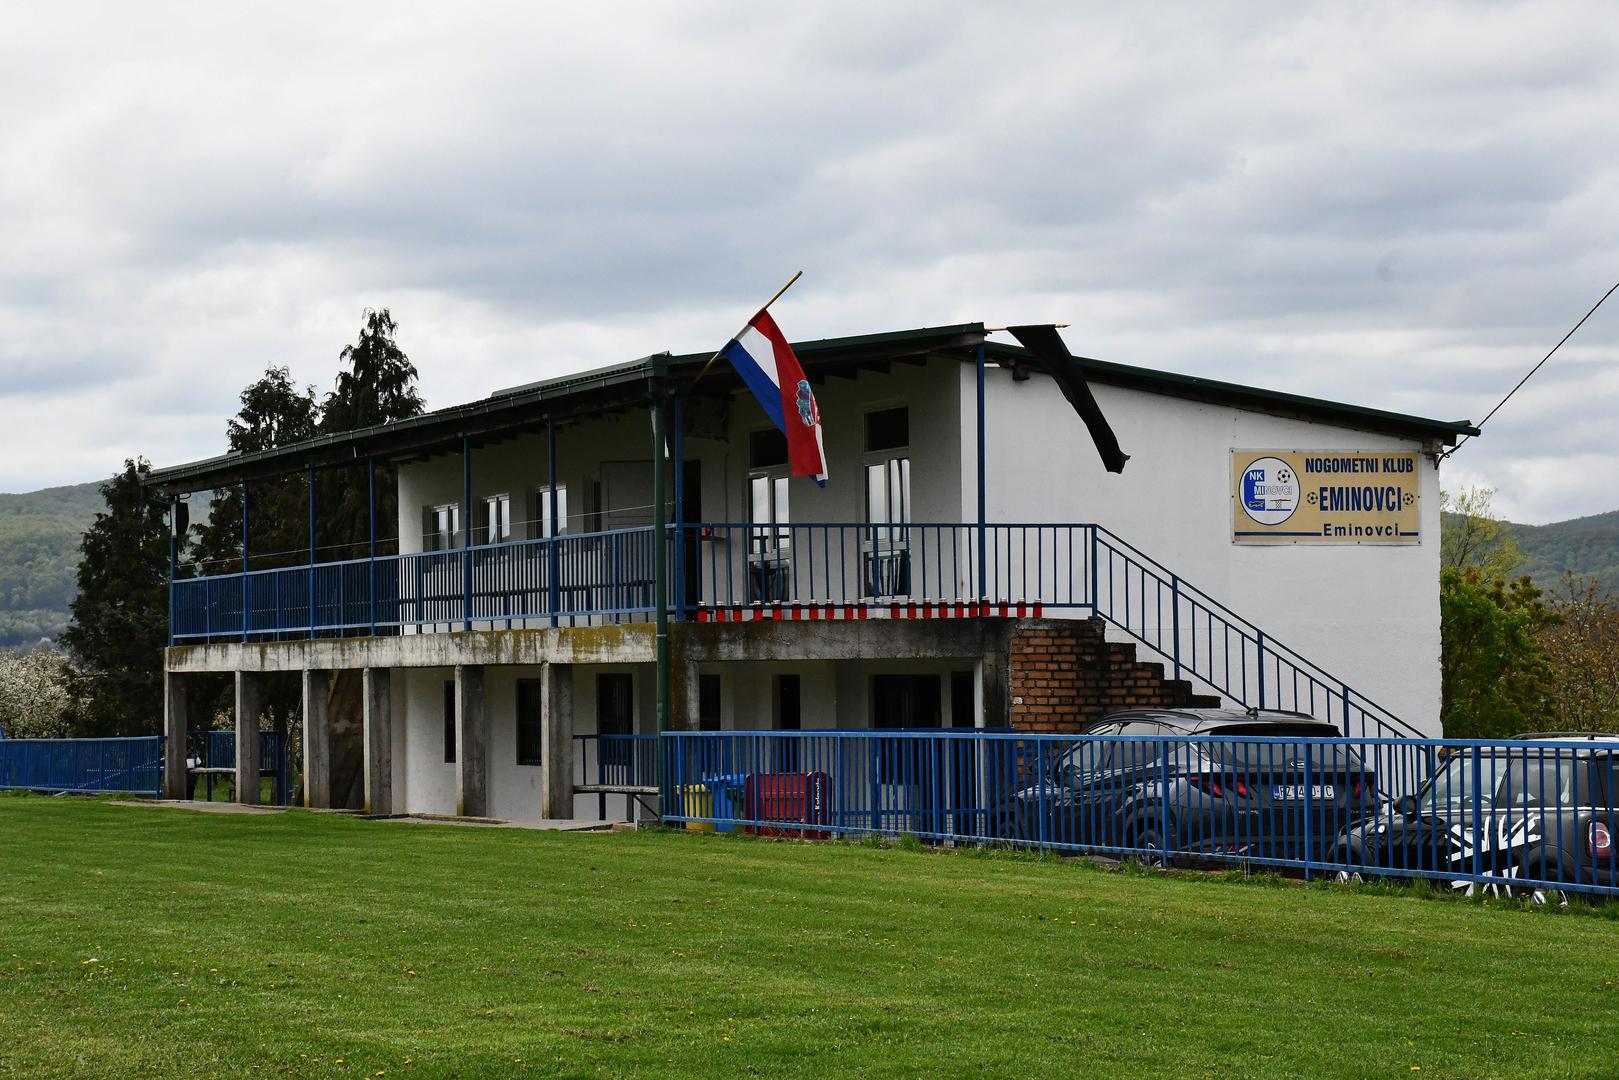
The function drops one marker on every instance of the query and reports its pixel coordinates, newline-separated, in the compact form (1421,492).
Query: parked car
(1543,815)
(1193,783)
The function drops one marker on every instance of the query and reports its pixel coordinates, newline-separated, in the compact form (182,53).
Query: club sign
(1324,497)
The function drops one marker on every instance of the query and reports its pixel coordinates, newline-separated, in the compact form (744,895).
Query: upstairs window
(441,527)
(888,429)
(549,522)
(497,519)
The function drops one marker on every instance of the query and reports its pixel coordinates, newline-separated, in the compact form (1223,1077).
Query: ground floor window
(530,738)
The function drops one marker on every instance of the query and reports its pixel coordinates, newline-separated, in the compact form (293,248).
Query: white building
(507,622)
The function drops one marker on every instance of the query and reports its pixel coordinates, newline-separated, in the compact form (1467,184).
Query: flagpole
(772,300)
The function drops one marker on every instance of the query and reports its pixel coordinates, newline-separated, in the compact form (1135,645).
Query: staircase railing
(1203,639)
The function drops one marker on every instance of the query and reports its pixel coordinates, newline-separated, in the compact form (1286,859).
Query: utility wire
(1532,371)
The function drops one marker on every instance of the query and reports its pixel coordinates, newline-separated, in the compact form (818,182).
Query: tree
(377,387)
(34,694)
(1494,678)
(121,615)
(1582,648)
(274,413)
(1470,535)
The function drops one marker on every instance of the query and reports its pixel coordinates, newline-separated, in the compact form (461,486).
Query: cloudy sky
(1401,206)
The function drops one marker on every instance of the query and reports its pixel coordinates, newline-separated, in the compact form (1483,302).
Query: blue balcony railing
(737,570)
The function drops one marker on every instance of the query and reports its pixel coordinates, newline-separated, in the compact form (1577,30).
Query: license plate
(1288,792)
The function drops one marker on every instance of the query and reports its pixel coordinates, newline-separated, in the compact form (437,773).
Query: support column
(247,738)
(471,743)
(556,737)
(176,784)
(317,742)
(378,737)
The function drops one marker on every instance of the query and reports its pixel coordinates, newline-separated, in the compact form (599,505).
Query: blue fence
(1513,817)
(131,766)
(217,750)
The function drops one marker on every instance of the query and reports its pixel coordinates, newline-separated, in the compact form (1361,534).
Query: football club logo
(1269,491)
(807,411)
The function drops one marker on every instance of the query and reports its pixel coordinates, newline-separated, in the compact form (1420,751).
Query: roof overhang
(1251,398)
(532,406)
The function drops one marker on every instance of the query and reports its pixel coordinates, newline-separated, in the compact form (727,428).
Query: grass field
(152,942)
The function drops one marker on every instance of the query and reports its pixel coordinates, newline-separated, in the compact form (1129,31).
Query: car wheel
(1152,856)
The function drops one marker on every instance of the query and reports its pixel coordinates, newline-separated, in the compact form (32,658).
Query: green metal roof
(620,385)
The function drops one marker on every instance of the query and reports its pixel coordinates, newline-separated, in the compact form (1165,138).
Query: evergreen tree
(274,412)
(378,386)
(120,617)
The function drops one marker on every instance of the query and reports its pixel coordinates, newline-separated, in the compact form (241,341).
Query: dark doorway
(906,701)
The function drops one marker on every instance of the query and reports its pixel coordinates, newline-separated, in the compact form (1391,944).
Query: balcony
(717,572)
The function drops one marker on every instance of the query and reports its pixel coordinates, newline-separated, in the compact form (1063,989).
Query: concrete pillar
(556,739)
(471,743)
(685,695)
(247,738)
(317,741)
(176,784)
(376,690)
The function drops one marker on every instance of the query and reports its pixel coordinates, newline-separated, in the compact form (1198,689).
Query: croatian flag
(761,355)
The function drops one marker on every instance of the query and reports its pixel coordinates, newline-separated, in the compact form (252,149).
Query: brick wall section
(1062,674)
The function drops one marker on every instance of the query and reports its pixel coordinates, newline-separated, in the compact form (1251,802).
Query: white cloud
(1401,207)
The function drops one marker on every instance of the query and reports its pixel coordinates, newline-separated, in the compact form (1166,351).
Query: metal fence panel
(1515,816)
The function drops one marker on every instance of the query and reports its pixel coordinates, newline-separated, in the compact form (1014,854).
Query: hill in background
(1587,546)
(39,557)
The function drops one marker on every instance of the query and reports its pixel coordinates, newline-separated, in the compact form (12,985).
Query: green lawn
(150,942)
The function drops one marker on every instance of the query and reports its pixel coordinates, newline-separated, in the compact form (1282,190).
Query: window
(497,519)
(888,504)
(441,527)
(449,722)
(888,429)
(1452,788)
(767,449)
(549,523)
(530,733)
(708,702)
(770,542)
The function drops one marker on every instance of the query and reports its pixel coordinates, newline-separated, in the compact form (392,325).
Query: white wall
(1367,613)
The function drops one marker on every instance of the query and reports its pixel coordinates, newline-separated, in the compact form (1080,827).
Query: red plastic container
(795,799)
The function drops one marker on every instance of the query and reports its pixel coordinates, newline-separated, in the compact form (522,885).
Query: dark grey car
(1245,785)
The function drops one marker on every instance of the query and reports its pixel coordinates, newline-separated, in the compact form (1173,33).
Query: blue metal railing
(129,765)
(605,576)
(217,750)
(622,762)
(732,567)
(1517,817)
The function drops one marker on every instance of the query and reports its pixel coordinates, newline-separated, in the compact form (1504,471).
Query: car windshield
(1452,787)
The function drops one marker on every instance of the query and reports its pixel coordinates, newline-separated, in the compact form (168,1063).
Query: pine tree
(377,387)
(120,617)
